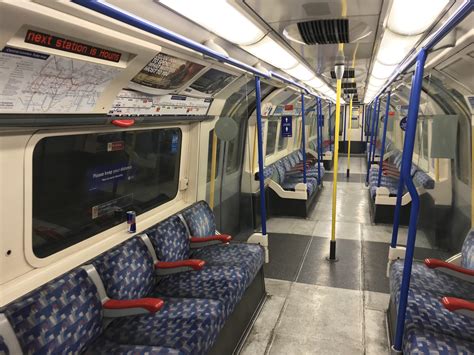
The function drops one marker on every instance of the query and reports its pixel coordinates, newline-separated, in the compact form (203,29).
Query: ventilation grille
(350,91)
(348,85)
(324,31)
(349,73)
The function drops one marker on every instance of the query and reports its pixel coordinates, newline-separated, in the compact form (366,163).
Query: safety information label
(32,82)
(286,126)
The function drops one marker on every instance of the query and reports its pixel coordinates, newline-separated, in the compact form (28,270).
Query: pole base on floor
(332,252)
(348,172)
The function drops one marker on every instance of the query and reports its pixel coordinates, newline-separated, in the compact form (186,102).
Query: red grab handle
(123,123)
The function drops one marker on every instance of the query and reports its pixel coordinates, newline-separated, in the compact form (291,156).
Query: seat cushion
(127,270)
(63,316)
(224,283)
(251,256)
(106,347)
(426,311)
(190,325)
(423,341)
(200,219)
(170,239)
(430,280)
(3,347)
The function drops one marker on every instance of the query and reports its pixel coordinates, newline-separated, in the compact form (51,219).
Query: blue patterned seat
(201,223)
(62,316)
(431,280)
(3,347)
(170,242)
(420,341)
(190,325)
(107,347)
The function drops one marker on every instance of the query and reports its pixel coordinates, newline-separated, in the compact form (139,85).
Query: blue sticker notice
(286,126)
(108,174)
(403,123)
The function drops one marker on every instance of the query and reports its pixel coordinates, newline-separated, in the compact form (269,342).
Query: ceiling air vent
(350,91)
(348,85)
(324,31)
(349,73)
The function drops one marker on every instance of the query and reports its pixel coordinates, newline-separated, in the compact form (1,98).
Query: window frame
(118,232)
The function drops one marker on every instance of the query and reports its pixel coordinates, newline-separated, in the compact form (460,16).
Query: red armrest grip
(152,305)
(434,263)
(453,304)
(224,238)
(195,264)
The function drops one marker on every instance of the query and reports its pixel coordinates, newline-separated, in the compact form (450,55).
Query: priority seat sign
(286,126)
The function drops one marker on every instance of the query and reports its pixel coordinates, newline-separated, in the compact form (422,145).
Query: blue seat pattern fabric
(171,239)
(127,270)
(200,219)
(63,316)
(251,256)
(107,347)
(420,341)
(467,251)
(190,325)
(224,283)
(423,179)
(426,311)
(431,280)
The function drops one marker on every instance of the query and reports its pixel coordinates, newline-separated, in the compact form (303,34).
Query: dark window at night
(84,184)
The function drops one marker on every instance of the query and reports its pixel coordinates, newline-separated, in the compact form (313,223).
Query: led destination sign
(67,45)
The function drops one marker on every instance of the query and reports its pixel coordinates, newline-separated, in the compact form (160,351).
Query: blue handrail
(303,137)
(374,118)
(415,205)
(320,131)
(261,177)
(377,120)
(384,137)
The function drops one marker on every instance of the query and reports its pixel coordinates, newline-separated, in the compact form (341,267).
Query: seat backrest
(127,270)
(170,239)
(467,251)
(63,316)
(423,179)
(286,163)
(200,219)
(293,159)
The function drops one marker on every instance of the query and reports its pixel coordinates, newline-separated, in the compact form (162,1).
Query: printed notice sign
(32,82)
(286,126)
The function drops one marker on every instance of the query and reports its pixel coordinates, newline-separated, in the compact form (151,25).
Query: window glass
(282,142)
(84,184)
(271,137)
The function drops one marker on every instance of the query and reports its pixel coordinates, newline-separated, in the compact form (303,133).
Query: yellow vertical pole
(339,67)
(213,170)
(349,138)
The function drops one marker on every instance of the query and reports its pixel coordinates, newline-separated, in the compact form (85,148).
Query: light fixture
(230,23)
(413,17)
(316,83)
(271,52)
(373,81)
(394,48)
(300,72)
(381,71)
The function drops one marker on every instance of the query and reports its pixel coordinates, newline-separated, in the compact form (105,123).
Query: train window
(312,124)
(282,142)
(271,137)
(83,184)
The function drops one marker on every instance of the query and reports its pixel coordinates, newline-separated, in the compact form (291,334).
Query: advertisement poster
(166,73)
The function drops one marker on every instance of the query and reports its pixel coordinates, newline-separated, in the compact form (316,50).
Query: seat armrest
(163,268)
(124,308)
(437,263)
(458,305)
(200,242)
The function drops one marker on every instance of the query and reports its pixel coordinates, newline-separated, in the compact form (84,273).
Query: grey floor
(316,307)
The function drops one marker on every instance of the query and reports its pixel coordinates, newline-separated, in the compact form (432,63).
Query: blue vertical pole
(415,199)
(321,129)
(303,136)
(374,117)
(320,140)
(261,178)
(329,127)
(384,137)
(377,120)
(367,127)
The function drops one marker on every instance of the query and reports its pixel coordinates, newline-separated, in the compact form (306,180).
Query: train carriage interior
(236,177)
